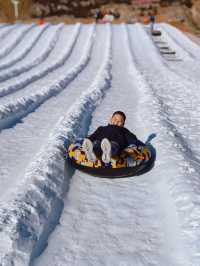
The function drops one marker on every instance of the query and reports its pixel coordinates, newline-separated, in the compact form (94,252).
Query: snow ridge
(25,50)
(6,50)
(11,112)
(28,217)
(41,73)
(18,70)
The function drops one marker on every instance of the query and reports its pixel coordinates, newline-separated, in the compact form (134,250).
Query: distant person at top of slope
(41,20)
(109,141)
(98,15)
(152,21)
(108,18)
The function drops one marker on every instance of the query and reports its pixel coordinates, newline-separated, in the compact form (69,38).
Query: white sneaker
(87,147)
(106,148)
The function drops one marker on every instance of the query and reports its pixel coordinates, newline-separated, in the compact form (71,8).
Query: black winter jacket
(121,135)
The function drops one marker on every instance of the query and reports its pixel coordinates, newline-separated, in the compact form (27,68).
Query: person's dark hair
(120,113)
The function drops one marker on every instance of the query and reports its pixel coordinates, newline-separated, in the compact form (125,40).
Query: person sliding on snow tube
(109,141)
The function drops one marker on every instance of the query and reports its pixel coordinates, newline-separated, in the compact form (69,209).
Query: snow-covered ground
(58,83)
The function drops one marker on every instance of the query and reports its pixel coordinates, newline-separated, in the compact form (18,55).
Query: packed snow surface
(60,82)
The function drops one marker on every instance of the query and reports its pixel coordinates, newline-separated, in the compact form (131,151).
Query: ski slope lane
(13,38)
(43,53)
(33,195)
(174,92)
(10,113)
(179,113)
(50,112)
(28,42)
(112,222)
(57,58)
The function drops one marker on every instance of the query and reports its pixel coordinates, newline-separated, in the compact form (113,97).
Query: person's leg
(87,147)
(97,148)
(115,149)
(110,149)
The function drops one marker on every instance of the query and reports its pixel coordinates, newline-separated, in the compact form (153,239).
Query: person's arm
(132,139)
(95,135)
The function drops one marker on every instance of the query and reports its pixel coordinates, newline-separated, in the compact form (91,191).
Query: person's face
(117,120)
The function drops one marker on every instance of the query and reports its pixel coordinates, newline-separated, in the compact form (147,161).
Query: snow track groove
(101,216)
(46,187)
(15,40)
(16,71)
(26,48)
(6,30)
(167,81)
(33,76)
(17,109)
(181,125)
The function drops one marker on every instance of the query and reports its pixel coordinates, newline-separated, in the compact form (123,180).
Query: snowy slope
(84,73)
(11,40)
(28,42)
(188,68)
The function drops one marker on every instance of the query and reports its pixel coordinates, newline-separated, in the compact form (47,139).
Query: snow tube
(132,161)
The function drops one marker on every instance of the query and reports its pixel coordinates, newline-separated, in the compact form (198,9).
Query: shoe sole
(106,148)
(87,147)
